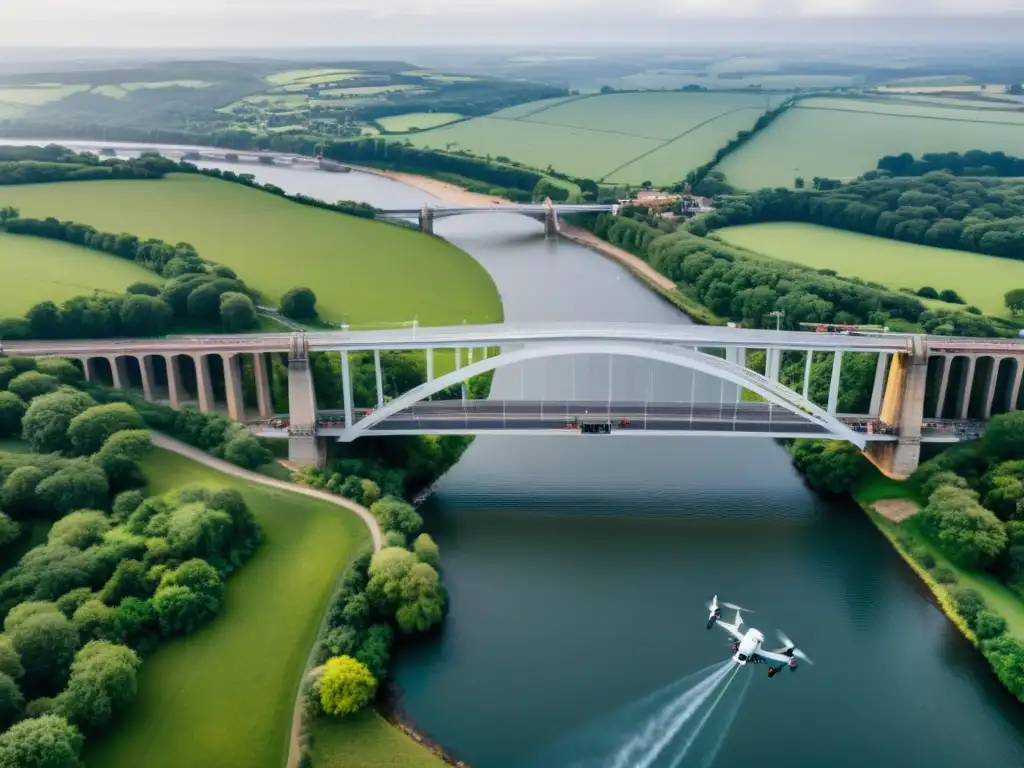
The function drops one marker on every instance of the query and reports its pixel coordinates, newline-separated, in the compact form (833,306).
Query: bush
(395,515)
(829,465)
(402,588)
(89,430)
(967,532)
(9,530)
(1003,439)
(102,683)
(939,479)
(395,539)
(943,574)
(79,485)
(32,384)
(12,409)
(989,625)
(63,370)
(299,304)
(247,452)
(237,312)
(346,686)
(427,551)
(45,425)
(80,529)
(49,741)
(923,557)
(969,603)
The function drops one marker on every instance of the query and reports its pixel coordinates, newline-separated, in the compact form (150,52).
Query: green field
(625,137)
(369,90)
(843,138)
(367,272)
(309,75)
(34,270)
(123,89)
(417,120)
(223,697)
(367,741)
(981,280)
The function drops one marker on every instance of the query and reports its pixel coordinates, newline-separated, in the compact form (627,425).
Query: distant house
(652,198)
(691,205)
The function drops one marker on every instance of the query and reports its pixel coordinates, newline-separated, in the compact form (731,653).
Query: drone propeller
(735,607)
(789,646)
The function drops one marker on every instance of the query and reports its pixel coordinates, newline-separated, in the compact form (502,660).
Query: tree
(1015,89)
(119,459)
(346,686)
(299,304)
(96,621)
(427,550)
(12,702)
(1006,655)
(966,531)
(204,302)
(125,503)
(180,611)
(832,465)
(18,494)
(1014,301)
(130,579)
(49,741)
(1004,437)
(32,384)
(143,289)
(44,320)
(103,682)
(988,625)
(9,530)
(237,312)
(405,589)
(138,623)
(79,485)
(80,529)
(352,488)
(246,451)
(45,424)
(198,576)
(89,430)
(46,643)
(10,663)
(969,603)
(12,409)
(63,370)
(395,515)
(799,182)
(145,315)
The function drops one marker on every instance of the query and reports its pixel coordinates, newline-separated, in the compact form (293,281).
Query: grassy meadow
(367,272)
(623,137)
(367,741)
(980,280)
(843,138)
(223,697)
(34,270)
(417,121)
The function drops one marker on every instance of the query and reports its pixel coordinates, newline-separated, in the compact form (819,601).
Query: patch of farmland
(439,78)
(532,107)
(981,280)
(417,120)
(369,90)
(121,90)
(33,96)
(971,101)
(576,151)
(844,138)
(743,65)
(671,80)
(308,75)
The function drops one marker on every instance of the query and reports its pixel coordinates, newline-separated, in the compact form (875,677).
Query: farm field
(224,696)
(310,75)
(33,270)
(121,90)
(843,138)
(369,90)
(366,740)
(420,120)
(365,272)
(980,280)
(627,137)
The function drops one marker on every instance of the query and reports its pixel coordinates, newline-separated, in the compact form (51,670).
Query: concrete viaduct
(950,381)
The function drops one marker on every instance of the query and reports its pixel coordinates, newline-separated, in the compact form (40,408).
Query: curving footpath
(189,452)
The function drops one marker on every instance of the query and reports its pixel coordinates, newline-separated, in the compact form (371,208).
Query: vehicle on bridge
(747,646)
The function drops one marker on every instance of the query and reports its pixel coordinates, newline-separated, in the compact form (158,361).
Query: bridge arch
(696,361)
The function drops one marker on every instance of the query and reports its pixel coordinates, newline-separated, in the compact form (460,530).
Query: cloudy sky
(444,22)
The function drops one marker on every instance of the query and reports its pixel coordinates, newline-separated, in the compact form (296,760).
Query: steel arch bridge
(690,359)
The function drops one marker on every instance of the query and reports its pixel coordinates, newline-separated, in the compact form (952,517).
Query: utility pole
(777,314)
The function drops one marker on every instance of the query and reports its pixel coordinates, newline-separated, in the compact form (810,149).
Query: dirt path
(186,450)
(633,263)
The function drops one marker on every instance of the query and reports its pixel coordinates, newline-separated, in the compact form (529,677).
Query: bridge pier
(943,385)
(303,446)
(903,407)
(551,228)
(263,399)
(427,219)
(203,383)
(233,387)
(833,385)
(146,370)
(878,388)
(174,388)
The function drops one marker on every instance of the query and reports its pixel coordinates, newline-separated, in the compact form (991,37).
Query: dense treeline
(974,162)
(118,573)
(37,165)
(982,215)
(746,290)
(519,182)
(478,97)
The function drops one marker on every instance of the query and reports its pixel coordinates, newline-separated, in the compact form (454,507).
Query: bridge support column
(233,387)
(943,385)
(303,447)
(833,385)
(427,219)
(773,363)
(146,369)
(551,227)
(903,407)
(430,365)
(173,381)
(807,375)
(878,388)
(119,371)
(346,390)
(964,404)
(87,368)
(263,400)
(1015,387)
(380,382)
(203,384)
(990,396)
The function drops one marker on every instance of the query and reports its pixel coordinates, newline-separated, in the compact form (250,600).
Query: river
(578,568)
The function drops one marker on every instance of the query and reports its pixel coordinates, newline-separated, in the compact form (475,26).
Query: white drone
(747,646)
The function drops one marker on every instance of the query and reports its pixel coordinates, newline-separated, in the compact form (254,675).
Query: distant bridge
(546,212)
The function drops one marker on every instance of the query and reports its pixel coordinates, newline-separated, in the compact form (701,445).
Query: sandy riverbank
(449,193)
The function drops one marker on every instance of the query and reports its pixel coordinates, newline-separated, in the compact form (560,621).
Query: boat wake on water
(661,730)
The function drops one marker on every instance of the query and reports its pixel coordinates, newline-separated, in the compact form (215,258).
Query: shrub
(45,425)
(32,384)
(299,304)
(966,531)
(943,574)
(49,741)
(12,409)
(427,550)
(346,686)
(923,557)
(247,452)
(969,603)
(395,515)
(395,539)
(989,625)
(89,430)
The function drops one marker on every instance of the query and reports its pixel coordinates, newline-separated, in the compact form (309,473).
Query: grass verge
(367,740)
(223,697)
